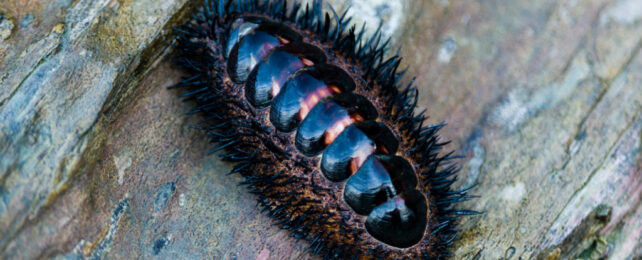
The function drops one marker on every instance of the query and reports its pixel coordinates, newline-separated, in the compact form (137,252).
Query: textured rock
(542,97)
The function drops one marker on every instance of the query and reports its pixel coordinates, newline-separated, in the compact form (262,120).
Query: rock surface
(97,159)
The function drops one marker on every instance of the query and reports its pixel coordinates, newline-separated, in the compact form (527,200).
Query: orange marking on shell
(311,100)
(283,40)
(336,129)
(335,89)
(356,117)
(315,97)
(360,158)
(382,149)
(307,62)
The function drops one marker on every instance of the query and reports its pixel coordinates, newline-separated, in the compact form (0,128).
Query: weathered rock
(97,158)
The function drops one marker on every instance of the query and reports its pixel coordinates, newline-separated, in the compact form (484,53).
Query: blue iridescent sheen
(286,106)
(325,119)
(380,178)
(240,28)
(268,77)
(250,50)
(254,44)
(400,221)
(352,147)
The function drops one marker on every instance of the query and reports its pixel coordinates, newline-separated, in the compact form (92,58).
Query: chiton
(315,117)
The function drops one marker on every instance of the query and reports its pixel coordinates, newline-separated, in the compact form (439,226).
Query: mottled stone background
(543,98)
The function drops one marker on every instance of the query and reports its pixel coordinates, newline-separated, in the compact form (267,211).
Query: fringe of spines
(383,71)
